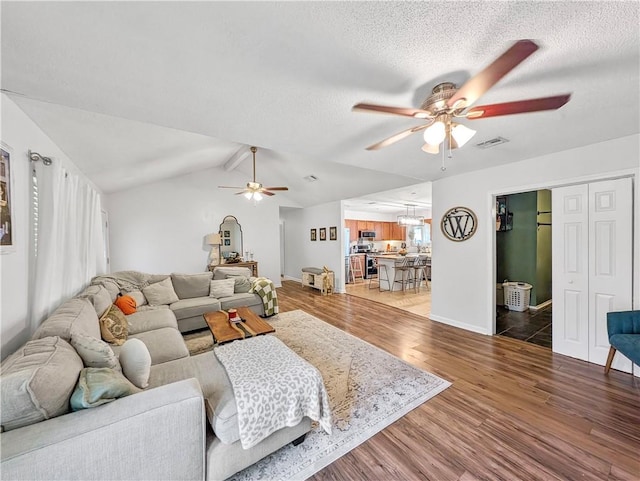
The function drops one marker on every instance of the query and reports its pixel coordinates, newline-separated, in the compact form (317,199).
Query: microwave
(367,234)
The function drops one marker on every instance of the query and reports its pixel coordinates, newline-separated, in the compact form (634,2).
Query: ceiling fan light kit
(447,102)
(254,190)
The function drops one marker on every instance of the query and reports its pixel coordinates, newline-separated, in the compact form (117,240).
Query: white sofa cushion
(197,306)
(164,344)
(75,315)
(37,381)
(220,272)
(99,297)
(188,286)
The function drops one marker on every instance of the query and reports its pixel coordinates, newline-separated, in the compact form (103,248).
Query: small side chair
(623,328)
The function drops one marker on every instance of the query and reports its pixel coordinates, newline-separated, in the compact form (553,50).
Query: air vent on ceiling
(310,178)
(492,143)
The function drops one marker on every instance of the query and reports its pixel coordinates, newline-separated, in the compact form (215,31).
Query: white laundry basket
(517,295)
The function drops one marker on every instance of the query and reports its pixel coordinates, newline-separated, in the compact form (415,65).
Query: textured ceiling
(155,89)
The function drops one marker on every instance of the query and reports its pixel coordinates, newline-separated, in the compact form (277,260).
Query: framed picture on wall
(313,234)
(7,238)
(323,233)
(333,233)
(227,233)
(227,242)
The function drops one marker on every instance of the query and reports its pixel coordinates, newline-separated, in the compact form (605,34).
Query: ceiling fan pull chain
(443,168)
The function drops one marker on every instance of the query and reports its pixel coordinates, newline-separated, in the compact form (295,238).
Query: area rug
(368,390)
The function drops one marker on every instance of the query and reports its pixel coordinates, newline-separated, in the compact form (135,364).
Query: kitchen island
(390,261)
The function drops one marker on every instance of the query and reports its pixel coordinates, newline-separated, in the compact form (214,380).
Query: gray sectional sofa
(182,426)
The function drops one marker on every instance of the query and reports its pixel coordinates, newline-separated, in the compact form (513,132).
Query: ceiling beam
(236,158)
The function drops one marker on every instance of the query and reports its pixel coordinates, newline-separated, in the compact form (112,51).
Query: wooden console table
(253,265)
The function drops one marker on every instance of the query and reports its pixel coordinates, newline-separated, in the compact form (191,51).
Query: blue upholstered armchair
(624,336)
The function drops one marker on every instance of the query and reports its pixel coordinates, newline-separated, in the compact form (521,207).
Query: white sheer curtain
(68,245)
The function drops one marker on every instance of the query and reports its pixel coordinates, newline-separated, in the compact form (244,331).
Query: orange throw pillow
(126,304)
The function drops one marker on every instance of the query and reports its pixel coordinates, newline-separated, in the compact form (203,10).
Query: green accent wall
(543,248)
(516,249)
(523,254)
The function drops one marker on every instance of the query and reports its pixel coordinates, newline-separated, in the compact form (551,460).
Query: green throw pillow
(98,386)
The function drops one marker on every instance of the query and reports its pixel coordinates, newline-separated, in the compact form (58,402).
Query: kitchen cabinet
(377,227)
(398,232)
(385,231)
(352,225)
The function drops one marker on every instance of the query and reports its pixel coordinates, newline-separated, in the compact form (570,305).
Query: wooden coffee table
(225,331)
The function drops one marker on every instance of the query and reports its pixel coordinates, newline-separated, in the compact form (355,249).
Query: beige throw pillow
(222,288)
(138,296)
(94,352)
(114,327)
(136,362)
(160,293)
(241,284)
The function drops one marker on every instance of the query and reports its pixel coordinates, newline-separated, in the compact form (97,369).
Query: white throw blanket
(273,387)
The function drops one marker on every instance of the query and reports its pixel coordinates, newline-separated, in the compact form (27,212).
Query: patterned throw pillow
(126,304)
(114,327)
(94,352)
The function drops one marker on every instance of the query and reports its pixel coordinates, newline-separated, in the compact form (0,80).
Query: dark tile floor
(530,326)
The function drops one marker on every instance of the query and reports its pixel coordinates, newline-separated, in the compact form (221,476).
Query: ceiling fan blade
(518,107)
(266,192)
(398,136)
(276,188)
(478,85)
(228,187)
(383,109)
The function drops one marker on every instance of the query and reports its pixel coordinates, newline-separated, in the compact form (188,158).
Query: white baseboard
(461,325)
(540,306)
(289,278)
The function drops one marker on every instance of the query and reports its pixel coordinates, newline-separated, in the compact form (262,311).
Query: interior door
(570,244)
(610,266)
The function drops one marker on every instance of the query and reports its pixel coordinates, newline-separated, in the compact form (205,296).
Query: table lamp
(214,240)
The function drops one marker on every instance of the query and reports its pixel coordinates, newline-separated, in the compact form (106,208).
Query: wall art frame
(7,217)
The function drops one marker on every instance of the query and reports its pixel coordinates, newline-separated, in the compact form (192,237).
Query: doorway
(523,256)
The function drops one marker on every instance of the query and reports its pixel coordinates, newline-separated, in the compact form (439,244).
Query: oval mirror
(231,238)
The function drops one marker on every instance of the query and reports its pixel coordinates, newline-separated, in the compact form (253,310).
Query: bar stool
(405,267)
(420,272)
(356,269)
(376,277)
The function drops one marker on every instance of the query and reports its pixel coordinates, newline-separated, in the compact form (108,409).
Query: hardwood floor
(409,300)
(515,411)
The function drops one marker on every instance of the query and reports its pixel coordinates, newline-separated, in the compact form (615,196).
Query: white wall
(463,273)
(21,134)
(375,216)
(302,252)
(160,227)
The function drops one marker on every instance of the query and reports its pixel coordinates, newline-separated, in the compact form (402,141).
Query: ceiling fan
(254,190)
(447,102)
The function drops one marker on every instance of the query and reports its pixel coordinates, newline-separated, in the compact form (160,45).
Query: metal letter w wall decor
(459,224)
